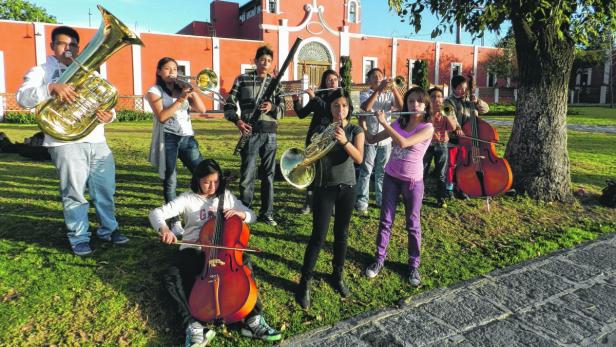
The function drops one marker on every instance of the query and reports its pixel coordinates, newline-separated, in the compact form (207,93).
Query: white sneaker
(373,269)
(196,336)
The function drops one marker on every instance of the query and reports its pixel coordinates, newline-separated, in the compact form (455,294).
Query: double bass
(225,289)
(480,172)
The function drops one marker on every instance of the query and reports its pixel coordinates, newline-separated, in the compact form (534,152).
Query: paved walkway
(565,299)
(575,127)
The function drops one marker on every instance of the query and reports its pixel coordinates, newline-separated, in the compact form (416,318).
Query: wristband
(346,143)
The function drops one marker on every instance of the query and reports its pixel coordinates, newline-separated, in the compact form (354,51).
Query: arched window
(353,11)
(272,6)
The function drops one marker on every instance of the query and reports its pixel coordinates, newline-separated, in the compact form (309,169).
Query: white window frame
(245,67)
(589,78)
(351,3)
(451,70)
(267,7)
(409,80)
(488,78)
(186,65)
(364,60)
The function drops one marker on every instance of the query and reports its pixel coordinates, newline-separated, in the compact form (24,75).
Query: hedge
(122,116)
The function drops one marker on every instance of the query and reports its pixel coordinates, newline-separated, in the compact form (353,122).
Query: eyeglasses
(72,45)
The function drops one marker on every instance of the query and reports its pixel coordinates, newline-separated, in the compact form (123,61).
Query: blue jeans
(187,149)
(80,165)
(440,153)
(264,145)
(375,157)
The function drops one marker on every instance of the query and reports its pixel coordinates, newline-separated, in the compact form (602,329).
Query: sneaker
(449,194)
(440,202)
(414,278)
(115,238)
(305,209)
(257,328)
(267,220)
(82,248)
(195,336)
(176,228)
(374,269)
(462,195)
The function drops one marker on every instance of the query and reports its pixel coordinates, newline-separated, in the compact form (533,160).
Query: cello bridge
(215,262)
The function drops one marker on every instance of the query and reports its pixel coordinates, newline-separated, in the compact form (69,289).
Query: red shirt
(441,128)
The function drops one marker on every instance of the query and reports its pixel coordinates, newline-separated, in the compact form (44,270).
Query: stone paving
(565,299)
(575,127)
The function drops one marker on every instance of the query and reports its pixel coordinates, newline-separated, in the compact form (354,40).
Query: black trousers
(440,153)
(181,277)
(325,198)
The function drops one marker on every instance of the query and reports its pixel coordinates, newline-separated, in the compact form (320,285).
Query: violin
(480,172)
(225,289)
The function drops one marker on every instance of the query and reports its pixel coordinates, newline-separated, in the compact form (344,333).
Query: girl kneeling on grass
(411,136)
(199,205)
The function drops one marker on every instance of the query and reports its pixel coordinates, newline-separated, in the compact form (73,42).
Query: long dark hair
(324,76)
(159,81)
(205,168)
(424,97)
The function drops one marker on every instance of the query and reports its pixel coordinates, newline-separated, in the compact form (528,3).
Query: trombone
(205,81)
(303,91)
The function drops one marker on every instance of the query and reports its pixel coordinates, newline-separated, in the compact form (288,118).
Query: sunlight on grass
(115,297)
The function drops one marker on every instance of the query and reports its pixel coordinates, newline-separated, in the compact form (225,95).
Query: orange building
(329,28)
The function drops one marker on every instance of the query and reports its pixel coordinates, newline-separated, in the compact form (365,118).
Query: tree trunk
(537,149)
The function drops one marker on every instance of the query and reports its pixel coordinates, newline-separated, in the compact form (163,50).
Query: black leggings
(325,198)
(181,277)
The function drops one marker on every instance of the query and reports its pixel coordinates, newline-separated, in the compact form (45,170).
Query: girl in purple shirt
(411,135)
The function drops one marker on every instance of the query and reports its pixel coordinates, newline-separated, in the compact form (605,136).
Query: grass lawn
(583,115)
(115,297)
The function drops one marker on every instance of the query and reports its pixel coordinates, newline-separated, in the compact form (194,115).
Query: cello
(480,172)
(224,290)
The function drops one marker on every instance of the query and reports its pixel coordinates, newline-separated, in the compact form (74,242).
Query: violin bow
(217,247)
(480,140)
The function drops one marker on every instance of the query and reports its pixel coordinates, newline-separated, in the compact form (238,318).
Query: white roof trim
(310,9)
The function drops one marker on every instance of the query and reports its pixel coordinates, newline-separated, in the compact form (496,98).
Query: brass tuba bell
(72,121)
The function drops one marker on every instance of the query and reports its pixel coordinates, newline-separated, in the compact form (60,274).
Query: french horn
(297,165)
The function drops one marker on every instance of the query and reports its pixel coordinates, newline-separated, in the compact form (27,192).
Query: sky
(164,16)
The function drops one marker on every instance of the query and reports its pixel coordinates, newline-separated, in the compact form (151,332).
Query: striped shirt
(244,92)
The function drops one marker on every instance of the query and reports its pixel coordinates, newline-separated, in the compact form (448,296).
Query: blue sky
(166,17)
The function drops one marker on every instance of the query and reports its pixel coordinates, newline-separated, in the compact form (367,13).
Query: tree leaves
(24,11)
(577,20)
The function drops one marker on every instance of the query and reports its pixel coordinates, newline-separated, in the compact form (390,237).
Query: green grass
(583,115)
(115,297)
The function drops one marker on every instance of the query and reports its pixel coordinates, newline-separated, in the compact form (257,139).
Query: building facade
(227,43)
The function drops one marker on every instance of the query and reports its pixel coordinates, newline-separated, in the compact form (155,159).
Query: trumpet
(303,91)
(392,114)
(205,81)
(399,81)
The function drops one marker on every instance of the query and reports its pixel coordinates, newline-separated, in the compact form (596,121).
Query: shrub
(122,116)
(132,116)
(16,117)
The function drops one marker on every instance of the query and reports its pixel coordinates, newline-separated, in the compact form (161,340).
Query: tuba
(72,121)
(297,165)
